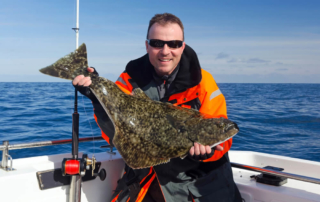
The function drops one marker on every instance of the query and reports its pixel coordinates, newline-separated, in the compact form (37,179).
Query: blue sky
(237,41)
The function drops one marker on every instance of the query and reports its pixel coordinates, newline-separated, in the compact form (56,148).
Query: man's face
(165,59)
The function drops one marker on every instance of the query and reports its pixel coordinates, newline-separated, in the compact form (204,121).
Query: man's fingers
(89,69)
(196,149)
(83,81)
(202,149)
(77,79)
(191,151)
(208,149)
(87,83)
(218,147)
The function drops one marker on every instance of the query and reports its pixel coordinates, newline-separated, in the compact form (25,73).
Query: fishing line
(94,148)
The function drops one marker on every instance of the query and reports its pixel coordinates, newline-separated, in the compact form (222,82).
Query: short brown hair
(164,19)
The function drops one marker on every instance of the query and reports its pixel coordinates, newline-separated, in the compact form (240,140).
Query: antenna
(76,29)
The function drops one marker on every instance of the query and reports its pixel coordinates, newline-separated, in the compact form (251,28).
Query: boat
(39,178)
(260,177)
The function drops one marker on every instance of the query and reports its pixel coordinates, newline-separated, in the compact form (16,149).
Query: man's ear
(147,46)
(183,46)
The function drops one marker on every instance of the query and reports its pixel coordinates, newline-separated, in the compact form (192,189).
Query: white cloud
(222,55)
(256,60)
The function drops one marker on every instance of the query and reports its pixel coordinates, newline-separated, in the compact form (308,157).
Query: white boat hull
(292,191)
(22,184)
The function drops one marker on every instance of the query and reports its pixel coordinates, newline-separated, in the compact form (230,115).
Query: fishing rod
(71,166)
(77,167)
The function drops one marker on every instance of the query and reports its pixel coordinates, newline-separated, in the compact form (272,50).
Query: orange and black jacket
(194,88)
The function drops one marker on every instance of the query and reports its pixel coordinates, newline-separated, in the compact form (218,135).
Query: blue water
(281,119)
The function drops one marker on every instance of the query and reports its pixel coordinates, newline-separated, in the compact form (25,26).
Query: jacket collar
(188,76)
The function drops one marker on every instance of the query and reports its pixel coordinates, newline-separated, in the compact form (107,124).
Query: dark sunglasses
(156,43)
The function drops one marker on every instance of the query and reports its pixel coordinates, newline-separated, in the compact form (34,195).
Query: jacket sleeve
(214,104)
(124,84)
(101,117)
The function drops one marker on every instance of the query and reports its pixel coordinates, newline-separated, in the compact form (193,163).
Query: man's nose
(165,50)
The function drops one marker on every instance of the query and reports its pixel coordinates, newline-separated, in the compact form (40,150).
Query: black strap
(134,190)
(133,184)
(133,181)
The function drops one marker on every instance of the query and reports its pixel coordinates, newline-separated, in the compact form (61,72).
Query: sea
(281,119)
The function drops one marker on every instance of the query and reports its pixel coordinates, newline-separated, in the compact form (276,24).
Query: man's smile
(165,60)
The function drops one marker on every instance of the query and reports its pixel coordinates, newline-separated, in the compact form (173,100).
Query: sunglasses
(156,43)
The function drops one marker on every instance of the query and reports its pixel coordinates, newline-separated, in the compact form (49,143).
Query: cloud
(233,60)
(222,55)
(266,78)
(278,63)
(282,69)
(248,61)
(256,60)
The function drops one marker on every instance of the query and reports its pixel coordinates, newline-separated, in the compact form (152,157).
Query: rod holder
(5,152)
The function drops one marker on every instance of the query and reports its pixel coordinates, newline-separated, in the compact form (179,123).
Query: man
(170,72)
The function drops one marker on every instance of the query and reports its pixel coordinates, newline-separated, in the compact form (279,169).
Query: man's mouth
(164,60)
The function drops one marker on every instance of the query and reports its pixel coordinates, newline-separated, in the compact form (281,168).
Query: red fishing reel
(77,166)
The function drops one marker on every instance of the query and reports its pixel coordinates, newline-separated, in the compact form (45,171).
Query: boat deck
(24,179)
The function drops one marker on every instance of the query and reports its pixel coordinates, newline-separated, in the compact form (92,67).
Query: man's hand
(81,83)
(201,152)
(82,80)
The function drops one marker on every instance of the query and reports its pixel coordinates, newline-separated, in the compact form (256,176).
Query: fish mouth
(232,126)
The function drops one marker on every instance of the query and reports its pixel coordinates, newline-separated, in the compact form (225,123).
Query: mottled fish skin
(147,132)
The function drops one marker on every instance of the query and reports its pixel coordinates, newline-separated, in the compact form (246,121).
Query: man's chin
(164,70)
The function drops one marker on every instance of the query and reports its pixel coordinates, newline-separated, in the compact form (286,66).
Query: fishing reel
(79,166)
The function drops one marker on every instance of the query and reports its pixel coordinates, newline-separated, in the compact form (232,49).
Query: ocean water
(282,119)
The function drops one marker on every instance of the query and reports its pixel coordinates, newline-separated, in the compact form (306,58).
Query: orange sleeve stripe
(124,89)
(144,189)
(186,106)
(115,198)
(104,136)
(151,169)
(121,84)
(125,78)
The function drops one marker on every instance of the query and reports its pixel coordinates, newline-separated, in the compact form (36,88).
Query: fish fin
(70,66)
(221,141)
(184,156)
(137,92)
(143,164)
(135,151)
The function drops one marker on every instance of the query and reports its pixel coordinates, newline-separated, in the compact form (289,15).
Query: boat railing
(6,147)
(276,173)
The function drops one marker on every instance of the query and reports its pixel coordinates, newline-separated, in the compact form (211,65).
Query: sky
(237,41)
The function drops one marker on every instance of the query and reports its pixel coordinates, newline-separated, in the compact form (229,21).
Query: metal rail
(7,147)
(277,173)
(46,143)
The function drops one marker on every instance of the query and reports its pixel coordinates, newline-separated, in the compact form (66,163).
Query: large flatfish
(147,132)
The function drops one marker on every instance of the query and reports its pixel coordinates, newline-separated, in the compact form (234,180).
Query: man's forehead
(168,29)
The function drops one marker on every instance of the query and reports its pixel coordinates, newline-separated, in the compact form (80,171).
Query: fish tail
(69,66)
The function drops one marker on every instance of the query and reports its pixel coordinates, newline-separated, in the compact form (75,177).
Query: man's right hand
(81,80)
(81,83)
